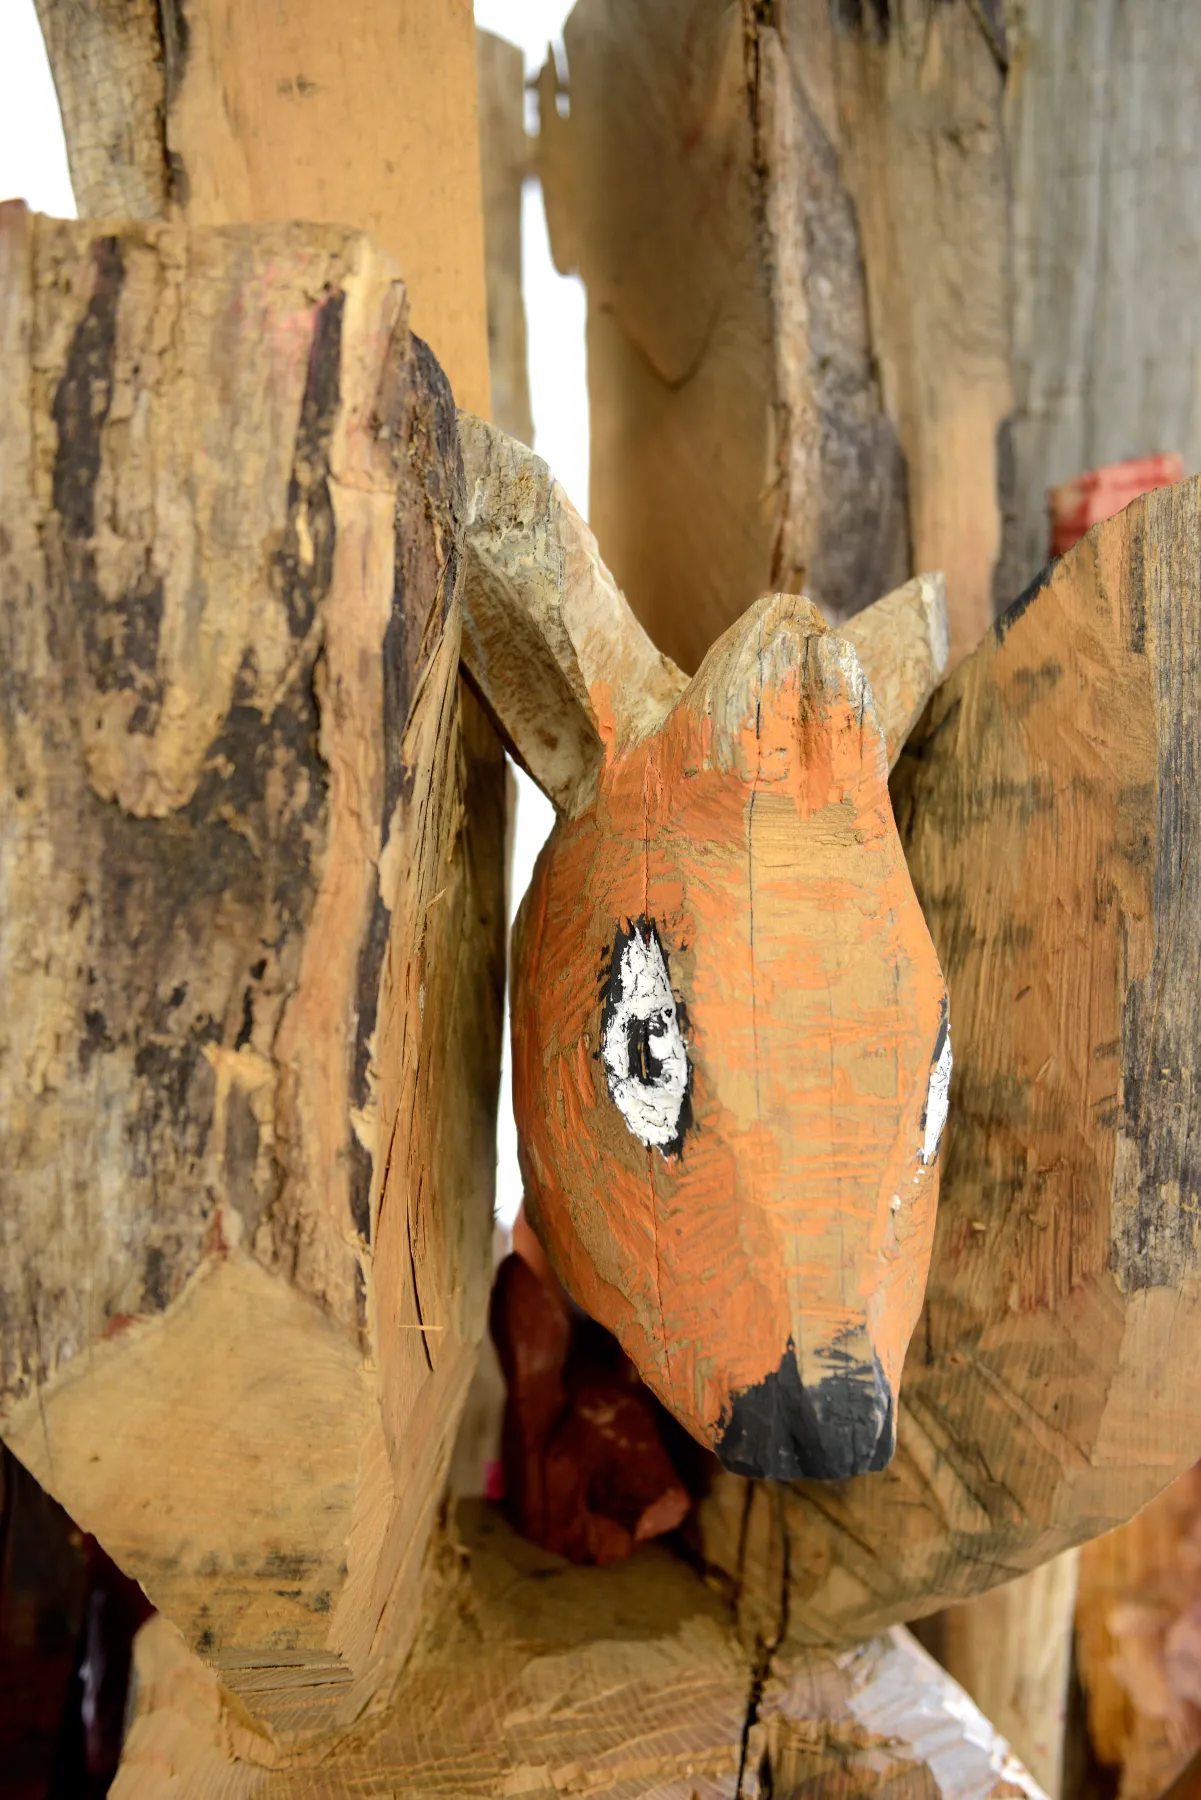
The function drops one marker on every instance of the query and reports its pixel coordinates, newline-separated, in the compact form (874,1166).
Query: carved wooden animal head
(730,1039)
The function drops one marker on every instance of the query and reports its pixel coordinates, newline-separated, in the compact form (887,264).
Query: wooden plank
(787,388)
(1047,813)
(255,109)
(506,160)
(1105,138)
(251,961)
(1011,1649)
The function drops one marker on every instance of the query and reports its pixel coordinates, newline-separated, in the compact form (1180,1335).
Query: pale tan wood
(923,153)
(548,639)
(251,946)
(903,643)
(257,109)
(1011,1649)
(505,162)
(787,387)
(1052,1385)
(542,1679)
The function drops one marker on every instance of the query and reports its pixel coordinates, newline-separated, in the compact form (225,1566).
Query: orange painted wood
(730,1041)
(760,1250)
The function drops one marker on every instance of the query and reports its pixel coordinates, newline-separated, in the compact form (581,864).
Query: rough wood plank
(1047,812)
(1104,140)
(505,162)
(1011,1649)
(251,961)
(255,109)
(738,438)
(542,1679)
(918,86)
(787,387)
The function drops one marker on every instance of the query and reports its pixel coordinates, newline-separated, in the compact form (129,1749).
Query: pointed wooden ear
(780,655)
(902,642)
(563,666)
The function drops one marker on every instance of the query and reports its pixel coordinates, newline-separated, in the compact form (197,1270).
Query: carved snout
(785,1429)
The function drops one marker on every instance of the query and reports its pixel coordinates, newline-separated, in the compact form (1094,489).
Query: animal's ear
(884,663)
(902,642)
(779,659)
(549,642)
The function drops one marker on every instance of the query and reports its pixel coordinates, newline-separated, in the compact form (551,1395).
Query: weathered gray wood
(1105,141)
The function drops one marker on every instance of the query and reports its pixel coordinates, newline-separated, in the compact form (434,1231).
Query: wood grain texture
(542,1679)
(564,667)
(251,954)
(1104,138)
(738,437)
(1011,1649)
(760,1253)
(1046,809)
(506,159)
(254,109)
(788,389)
(918,86)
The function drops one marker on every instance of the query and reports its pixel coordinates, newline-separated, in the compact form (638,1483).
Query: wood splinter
(731,1042)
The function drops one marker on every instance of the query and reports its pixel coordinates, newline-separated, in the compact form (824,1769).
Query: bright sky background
(33,167)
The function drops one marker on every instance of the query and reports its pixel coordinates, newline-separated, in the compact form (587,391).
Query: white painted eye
(938,1097)
(642,1043)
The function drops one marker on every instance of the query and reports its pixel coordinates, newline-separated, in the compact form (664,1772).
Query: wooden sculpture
(1048,809)
(250,945)
(731,1048)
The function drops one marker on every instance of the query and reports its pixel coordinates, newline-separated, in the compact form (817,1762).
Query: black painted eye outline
(651,1088)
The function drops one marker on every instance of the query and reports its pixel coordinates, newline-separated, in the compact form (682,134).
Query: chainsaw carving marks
(644,1040)
(713,1143)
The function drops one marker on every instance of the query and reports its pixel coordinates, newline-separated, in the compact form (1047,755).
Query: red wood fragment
(1100,493)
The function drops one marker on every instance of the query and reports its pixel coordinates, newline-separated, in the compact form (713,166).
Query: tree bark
(250,957)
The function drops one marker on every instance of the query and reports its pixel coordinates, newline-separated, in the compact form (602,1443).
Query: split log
(251,960)
(730,1149)
(233,110)
(1054,1384)
(545,1679)
(788,389)
(505,161)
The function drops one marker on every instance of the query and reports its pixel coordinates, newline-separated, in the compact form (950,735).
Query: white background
(33,167)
